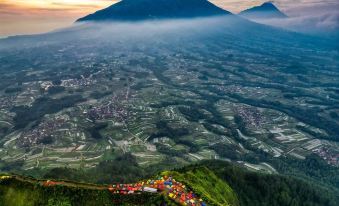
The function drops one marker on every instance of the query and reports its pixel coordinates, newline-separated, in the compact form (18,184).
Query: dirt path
(176,191)
(62,183)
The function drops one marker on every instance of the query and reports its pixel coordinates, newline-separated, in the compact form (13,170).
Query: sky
(37,16)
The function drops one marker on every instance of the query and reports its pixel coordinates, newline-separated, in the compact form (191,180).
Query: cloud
(74,8)
(307,16)
(17,12)
(36,16)
(320,23)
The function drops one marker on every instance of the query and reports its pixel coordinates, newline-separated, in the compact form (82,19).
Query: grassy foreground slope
(21,191)
(18,190)
(258,189)
(216,182)
(207,185)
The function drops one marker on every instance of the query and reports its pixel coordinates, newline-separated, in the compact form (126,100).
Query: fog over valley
(151,102)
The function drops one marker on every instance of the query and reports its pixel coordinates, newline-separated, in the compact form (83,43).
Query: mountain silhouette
(155,9)
(264,11)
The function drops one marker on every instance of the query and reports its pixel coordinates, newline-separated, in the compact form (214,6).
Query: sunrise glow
(36,16)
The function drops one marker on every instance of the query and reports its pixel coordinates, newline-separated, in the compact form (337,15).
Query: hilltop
(215,182)
(155,9)
(265,11)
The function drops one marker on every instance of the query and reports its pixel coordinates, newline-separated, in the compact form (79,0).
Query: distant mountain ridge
(264,11)
(155,9)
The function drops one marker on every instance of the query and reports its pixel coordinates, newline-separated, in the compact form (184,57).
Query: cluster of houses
(229,89)
(81,82)
(6,101)
(251,116)
(41,133)
(113,109)
(331,157)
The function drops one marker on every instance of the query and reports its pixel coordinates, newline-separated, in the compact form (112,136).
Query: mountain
(155,9)
(264,11)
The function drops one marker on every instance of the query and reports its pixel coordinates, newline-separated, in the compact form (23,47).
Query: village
(101,106)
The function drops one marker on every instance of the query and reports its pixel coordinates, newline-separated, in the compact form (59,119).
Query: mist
(178,33)
(322,20)
(145,31)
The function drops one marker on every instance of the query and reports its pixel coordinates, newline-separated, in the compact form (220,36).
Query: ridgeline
(210,182)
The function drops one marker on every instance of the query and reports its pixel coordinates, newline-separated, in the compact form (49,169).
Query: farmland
(82,103)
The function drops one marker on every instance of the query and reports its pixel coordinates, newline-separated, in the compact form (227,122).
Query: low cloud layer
(315,18)
(36,16)
(314,24)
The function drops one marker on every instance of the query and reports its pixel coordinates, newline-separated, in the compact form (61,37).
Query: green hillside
(207,185)
(215,182)
(29,192)
(18,190)
(258,189)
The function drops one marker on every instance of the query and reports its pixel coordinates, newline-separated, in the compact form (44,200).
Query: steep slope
(207,185)
(200,183)
(155,9)
(24,191)
(216,182)
(265,11)
(255,188)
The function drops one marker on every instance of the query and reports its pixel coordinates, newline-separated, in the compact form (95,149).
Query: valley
(77,101)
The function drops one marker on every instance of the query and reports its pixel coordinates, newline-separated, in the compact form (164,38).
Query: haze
(37,16)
